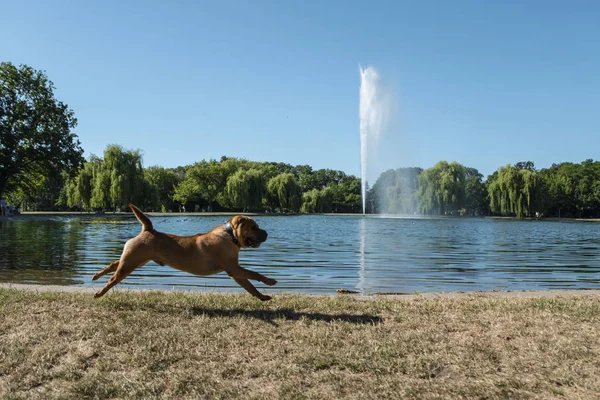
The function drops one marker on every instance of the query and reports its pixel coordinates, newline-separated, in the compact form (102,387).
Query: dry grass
(181,345)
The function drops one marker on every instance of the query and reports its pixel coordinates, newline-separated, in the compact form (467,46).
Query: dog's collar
(229,229)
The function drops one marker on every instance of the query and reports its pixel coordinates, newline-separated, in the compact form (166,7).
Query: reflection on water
(318,254)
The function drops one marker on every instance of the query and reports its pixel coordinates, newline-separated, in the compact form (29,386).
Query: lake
(321,253)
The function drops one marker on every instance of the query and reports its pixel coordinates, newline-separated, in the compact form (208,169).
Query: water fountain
(374,109)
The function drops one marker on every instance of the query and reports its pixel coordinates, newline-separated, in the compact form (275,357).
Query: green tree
(126,175)
(205,182)
(309,201)
(475,193)
(285,189)
(100,189)
(516,190)
(559,202)
(36,138)
(395,192)
(442,188)
(246,188)
(325,200)
(347,195)
(318,201)
(83,185)
(164,180)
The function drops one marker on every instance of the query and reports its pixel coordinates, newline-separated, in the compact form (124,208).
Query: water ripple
(318,254)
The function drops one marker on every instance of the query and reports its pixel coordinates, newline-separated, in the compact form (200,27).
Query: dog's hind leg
(127,265)
(111,268)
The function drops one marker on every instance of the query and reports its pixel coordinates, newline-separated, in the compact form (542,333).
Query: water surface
(319,254)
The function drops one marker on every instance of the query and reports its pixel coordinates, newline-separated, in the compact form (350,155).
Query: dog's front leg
(246,284)
(243,273)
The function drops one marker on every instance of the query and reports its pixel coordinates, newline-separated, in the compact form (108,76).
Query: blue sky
(483,83)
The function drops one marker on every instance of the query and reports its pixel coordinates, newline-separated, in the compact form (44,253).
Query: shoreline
(42,215)
(551,293)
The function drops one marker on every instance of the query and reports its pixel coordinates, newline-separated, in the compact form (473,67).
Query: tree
(112,182)
(442,188)
(395,192)
(204,182)
(317,201)
(309,201)
(347,195)
(475,193)
(559,203)
(100,189)
(164,180)
(246,188)
(325,200)
(126,175)
(516,190)
(36,140)
(284,188)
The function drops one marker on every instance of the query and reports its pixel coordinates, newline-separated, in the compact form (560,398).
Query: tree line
(519,190)
(230,184)
(42,167)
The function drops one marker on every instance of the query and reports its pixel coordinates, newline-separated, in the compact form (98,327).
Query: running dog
(202,254)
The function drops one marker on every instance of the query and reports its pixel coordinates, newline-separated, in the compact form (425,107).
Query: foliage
(442,188)
(573,189)
(245,189)
(475,193)
(285,189)
(516,190)
(110,183)
(36,139)
(204,182)
(395,192)
(164,181)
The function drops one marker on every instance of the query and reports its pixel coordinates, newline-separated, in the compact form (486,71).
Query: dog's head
(247,232)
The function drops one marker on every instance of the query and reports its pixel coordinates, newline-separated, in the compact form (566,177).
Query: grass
(226,346)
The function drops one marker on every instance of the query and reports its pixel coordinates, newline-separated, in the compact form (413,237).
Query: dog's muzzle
(261,236)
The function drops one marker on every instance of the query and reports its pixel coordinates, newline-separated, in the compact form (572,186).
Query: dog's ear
(238,220)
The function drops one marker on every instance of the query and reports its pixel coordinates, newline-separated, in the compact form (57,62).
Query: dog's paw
(98,294)
(269,281)
(264,297)
(96,276)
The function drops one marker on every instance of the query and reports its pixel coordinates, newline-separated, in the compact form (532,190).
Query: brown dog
(202,254)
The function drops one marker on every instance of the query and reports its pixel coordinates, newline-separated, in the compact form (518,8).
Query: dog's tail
(145,221)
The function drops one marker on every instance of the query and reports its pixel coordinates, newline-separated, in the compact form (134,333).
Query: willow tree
(309,201)
(126,175)
(442,188)
(514,190)
(245,189)
(83,185)
(111,182)
(77,191)
(285,189)
(325,200)
(318,201)
(100,189)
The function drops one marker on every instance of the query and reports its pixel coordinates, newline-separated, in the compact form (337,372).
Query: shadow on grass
(287,314)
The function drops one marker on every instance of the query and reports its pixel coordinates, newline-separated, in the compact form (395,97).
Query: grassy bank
(186,345)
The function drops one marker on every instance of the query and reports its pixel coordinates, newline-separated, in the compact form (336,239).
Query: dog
(201,254)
